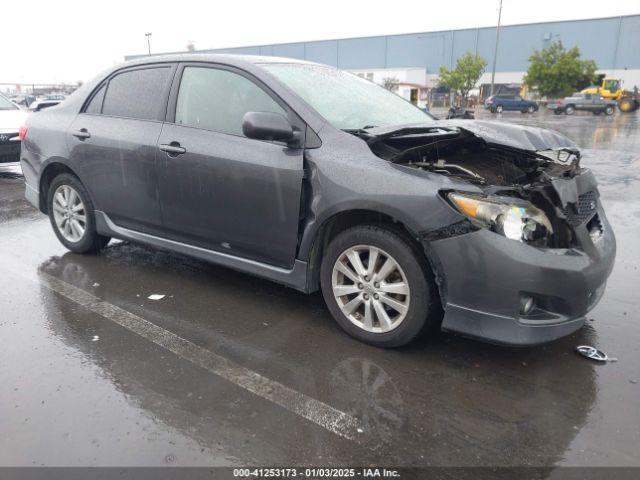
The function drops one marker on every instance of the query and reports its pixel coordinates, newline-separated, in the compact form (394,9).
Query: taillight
(22,133)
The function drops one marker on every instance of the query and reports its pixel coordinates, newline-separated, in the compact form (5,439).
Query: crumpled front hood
(517,136)
(11,120)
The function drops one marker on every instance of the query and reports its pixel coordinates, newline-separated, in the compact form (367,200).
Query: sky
(74,40)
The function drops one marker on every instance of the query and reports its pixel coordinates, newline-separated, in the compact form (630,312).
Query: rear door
(224,191)
(113,144)
(589,102)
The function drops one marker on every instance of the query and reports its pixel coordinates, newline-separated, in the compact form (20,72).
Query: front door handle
(172,149)
(82,134)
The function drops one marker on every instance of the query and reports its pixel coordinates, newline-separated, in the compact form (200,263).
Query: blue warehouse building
(415,58)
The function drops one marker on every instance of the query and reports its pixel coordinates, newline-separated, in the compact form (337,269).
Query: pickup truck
(589,102)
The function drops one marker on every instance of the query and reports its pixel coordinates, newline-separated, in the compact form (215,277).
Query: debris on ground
(95,338)
(593,353)
(156,296)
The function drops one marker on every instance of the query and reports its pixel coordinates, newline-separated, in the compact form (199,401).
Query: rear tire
(382,305)
(569,110)
(72,215)
(531,109)
(499,109)
(609,110)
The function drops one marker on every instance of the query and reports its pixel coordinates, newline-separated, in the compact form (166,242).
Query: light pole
(495,52)
(148,35)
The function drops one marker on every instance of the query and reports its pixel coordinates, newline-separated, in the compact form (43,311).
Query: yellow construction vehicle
(611,89)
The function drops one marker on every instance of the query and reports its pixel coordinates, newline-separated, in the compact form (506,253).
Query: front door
(218,189)
(113,145)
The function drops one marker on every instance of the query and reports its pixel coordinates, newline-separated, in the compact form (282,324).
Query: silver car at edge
(12,117)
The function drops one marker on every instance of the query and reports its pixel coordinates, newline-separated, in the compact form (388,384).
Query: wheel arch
(53,168)
(344,219)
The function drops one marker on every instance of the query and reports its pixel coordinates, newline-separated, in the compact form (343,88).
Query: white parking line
(320,413)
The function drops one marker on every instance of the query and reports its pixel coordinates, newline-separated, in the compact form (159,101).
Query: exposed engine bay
(544,179)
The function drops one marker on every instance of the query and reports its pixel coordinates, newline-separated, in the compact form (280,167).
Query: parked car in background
(589,102)
(23,100)
(460,112)
(320,180)
(11,119)
(44,103)
(500,103)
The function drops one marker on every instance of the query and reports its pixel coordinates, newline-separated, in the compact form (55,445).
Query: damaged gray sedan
(317,179)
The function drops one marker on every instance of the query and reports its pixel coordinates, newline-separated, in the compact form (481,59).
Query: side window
(217,100)
(95,105)
(517,98)
(587,96)
(137,93)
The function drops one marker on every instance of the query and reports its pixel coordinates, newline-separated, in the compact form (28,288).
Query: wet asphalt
(78,388)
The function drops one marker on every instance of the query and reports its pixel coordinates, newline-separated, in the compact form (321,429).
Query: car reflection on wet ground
(79,388)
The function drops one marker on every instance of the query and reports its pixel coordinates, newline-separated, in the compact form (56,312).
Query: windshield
(345,100)
(6,104)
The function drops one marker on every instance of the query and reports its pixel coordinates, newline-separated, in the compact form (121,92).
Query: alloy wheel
(370,288)
(69,213)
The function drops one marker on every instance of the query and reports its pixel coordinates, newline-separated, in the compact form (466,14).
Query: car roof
(230,59)
(250,63)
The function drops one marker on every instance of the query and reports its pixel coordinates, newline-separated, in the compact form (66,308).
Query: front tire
(377,286)
(608,110)
(499,109)
(72,215)
(531,109)
(569,110)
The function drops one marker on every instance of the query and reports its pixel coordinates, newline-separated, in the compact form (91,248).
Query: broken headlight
(514,218)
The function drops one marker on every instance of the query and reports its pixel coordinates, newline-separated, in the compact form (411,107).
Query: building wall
(614,44)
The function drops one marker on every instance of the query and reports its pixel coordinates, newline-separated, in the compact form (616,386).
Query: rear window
(5,104)
(137,93)
(95,105)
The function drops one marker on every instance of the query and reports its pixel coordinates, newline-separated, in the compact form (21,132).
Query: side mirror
(267,126)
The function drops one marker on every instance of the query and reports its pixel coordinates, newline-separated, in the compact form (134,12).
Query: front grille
(9,151)
(5,138)
(579,213)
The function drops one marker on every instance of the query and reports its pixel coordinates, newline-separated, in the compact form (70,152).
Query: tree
(390,83)
(557,72)
(469,68)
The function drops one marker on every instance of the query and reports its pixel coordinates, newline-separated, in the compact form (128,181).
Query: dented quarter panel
(345,175)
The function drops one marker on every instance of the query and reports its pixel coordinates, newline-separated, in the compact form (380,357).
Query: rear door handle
(172,149)
(81,134)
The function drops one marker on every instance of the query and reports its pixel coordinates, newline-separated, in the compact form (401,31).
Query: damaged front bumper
(512,293)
